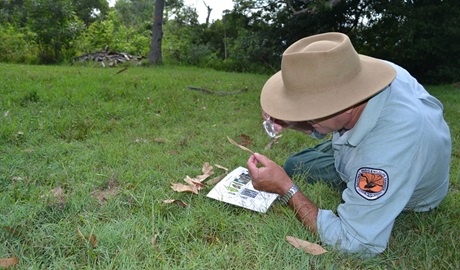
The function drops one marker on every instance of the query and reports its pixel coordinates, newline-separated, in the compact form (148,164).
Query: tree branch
(313,9)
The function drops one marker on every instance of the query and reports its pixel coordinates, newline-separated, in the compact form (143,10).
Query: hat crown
(317,65)
(321,75)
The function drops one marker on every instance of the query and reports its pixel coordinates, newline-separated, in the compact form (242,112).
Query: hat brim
(282,104)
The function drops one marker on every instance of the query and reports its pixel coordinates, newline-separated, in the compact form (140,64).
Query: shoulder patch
(371,183)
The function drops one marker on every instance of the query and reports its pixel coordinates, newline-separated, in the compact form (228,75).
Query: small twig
(121,71)
(218,92)
(240,146)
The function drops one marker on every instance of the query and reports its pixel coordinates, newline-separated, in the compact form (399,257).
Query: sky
(218,6)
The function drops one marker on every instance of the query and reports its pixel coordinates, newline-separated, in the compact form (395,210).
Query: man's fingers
(265,161)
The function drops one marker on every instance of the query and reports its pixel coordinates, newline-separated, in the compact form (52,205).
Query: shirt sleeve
(364,224)
(379,185)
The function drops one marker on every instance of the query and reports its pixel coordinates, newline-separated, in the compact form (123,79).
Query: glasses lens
(269,127)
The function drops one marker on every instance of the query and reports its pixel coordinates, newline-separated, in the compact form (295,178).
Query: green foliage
(249,38)
(133,13)
(112,32)
(404,32)
(90,10)
(56,26)
(18,45)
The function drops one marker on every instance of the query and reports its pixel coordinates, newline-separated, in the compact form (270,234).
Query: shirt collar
(368,118)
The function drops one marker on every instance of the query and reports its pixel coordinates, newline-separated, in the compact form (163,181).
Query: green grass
(114,154)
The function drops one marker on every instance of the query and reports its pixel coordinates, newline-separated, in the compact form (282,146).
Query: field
(87,157)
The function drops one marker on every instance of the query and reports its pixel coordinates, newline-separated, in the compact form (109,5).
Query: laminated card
(236,188)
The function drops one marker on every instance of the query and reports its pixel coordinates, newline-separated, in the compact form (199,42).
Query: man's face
(324,125)
(332,123)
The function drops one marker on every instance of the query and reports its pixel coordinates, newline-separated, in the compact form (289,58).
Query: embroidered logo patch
(371,183)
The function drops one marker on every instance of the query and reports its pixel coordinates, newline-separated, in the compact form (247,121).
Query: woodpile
(107,58)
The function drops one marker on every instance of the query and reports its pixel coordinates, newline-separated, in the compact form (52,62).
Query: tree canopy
(420,35)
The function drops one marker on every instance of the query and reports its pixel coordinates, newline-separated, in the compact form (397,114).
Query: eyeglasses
(269,126)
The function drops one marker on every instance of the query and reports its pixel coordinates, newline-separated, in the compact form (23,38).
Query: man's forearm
(305,210)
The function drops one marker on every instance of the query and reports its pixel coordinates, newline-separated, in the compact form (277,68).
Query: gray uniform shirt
(396,157)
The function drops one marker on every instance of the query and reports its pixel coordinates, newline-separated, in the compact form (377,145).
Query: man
(390,145)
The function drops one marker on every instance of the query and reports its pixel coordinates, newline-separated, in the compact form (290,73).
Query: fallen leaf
(184,188)
(194,182)
(16,231)
(103,195)
(16,178)
(93,240)
(8,262)
(159,140)
(58,192)
(272,142)
(154,240)
(207,169)
(240,146)
(244,139)
(221,167)
(216,179)
(178,202)
(311,248)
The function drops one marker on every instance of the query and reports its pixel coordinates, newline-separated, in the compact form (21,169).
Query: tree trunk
(157,33)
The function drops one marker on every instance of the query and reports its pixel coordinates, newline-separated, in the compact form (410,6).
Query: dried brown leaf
(221,167)
(207,171)
(16,178)
(216,179)
(244,139)
(207,168)
(58,193)
(194,182)
(240,146)
(8,262)
(16,231)
(160,140)
(178,202)
(154,240)
(184,188)
(308,247)
(103,195)
(93,240)
(272,142)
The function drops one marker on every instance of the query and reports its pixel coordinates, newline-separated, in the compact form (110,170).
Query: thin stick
(240,146)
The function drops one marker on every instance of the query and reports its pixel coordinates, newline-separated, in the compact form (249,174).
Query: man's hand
(267,175)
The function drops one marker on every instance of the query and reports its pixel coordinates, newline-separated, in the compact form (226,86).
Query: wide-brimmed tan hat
(322,75)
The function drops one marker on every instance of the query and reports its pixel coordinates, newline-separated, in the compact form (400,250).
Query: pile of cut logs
(107,58)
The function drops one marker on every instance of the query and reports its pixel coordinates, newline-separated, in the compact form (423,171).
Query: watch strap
(286,197)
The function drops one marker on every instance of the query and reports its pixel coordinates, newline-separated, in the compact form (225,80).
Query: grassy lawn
(87,157)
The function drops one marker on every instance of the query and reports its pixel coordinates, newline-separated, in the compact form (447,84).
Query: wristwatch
(286,197)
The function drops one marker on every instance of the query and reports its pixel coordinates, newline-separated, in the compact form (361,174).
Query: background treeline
(420,35)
